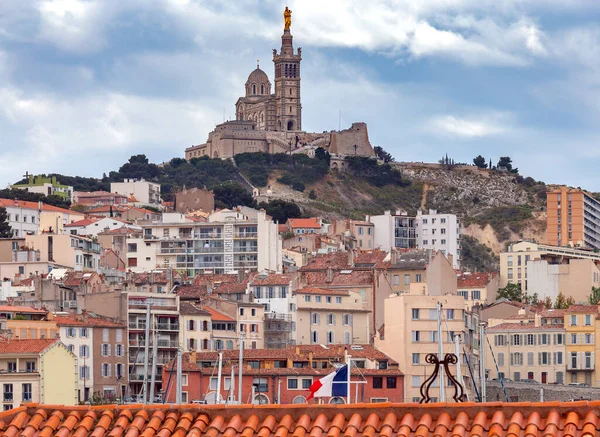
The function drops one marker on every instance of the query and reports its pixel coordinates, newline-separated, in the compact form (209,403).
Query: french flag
(334,384)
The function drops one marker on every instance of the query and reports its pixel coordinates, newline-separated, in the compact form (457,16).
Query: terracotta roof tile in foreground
(557,419)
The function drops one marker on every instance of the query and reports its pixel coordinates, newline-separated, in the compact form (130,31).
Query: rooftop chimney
(329,275)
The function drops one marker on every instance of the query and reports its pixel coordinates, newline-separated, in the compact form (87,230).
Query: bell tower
(287,81)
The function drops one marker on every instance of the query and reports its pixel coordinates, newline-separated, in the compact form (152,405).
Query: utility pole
(178,399)
(240,366)
(458,364)
(154,358)
(146,352)
(441,353)
(482,327)
(219,375)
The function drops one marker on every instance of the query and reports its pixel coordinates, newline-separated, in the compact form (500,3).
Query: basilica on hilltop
(268,118)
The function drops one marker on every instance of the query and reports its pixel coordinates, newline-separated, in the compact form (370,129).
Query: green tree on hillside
(511,292)
(5,229)
(231,194)
(479,161)
(562,302)
(383,155)
(506,162)
(281,210)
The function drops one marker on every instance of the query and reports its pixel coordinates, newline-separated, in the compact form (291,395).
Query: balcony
(245,235)
(168,326)
(137,326)
(8,397)
(278,316)
(168,344)
(245,249)
(209,236)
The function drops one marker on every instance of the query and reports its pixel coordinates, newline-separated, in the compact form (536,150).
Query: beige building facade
(411,333)
(73,251)
(331,317)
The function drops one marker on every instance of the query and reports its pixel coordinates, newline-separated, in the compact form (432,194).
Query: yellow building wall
(579,329)
(59,376)
(32,328)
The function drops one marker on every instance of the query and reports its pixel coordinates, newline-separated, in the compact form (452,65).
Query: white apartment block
(23,217)
(79,341)
(207,247)
(144,192)
(396,230)
(439,232)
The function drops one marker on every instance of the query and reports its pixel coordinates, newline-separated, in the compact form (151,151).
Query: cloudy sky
(85,84)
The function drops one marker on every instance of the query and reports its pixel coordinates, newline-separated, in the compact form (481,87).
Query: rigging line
(471,373)
(497,369)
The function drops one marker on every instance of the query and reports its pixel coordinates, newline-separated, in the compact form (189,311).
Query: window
(559,377)
(330,337)
(517,377)
(588,320)
(328,299)
(589,338)
(390,382)
(573,320)
(105,370)
(306,383)
(433,336)
(338,299)
(516,359)
(573,338)
(415,314)
(416,381)
(544,339)
(500,359)
(119,335)
(559,339)
(544,358)
(530,361)
(83,332)
(588,360)
(12,366)
(318,299)
(378,382)
(315,337)
(284,291)
(8,392)
(331,319)
(416,359)
(84,372)
(347,339)
(241,311)
(573,360)
(84,351)
(475,294)
(292,384)
(105,350)
(120,372)
(132,247)
(119,350)
(306,298)
(261,384)
(315,318)
(499,340)
(530,339)
(516,340)
(558,358)
(416,336)
(407,279)
(418,277)
(450,314)
(71,332)
(26,391)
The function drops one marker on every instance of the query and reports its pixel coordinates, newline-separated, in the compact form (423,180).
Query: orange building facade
(573,218)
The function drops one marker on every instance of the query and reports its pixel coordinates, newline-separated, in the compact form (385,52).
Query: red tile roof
(83,222)
(107,208)
(470,280)
(217,316)
(323,291)
(26,346)
(369,257)
(86,320)
(191,292)
(20,309)
(341,278)
(303,223)
(189,309)
(334,260)
(582,309)
(211,279)
(272,279)
(524,327)
(556,419)
(230,288)
(34,205)
(77,278)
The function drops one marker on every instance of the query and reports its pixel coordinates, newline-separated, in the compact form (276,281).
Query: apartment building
(573,218)
(100,346)
(304,225)
(527,349)
(356,234)
(195,324)
(48,186)
(514,262)
(333,316)
(98,198)
(28,323)
(477,288)
(206,247)
(232,319)
(139,192)
(23,217)
(397,230)
(73,251)
(410,333)
(439,232)
(274,291)
(283,376)
(580,329)
(92,227)
(164,325)
(37,370)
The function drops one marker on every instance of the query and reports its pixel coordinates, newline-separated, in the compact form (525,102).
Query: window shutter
(334,319)
(578,360)
(108,349)
(592,363)
(512,361)
(495,340)
(539,358)
(318,319)
(554,358)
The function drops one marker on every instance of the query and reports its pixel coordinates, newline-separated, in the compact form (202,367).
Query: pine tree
(5,229)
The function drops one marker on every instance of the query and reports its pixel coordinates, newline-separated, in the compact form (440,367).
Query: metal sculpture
(459,391)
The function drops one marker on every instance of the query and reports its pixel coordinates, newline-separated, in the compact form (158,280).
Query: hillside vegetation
(495,206)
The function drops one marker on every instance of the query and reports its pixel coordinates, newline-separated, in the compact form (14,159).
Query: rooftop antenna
(257,63)
(340,121)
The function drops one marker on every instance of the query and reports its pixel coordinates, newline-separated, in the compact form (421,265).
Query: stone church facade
(271,122)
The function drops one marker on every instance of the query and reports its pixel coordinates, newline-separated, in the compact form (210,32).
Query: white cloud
(470,127)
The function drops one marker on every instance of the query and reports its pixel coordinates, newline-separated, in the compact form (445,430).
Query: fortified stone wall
(343,142)
(525,392)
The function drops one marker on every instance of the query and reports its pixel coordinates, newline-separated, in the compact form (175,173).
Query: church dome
(258,83)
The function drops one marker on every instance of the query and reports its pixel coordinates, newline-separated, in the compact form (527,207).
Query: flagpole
(349,364)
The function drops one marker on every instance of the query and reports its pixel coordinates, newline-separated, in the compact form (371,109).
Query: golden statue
(287,18)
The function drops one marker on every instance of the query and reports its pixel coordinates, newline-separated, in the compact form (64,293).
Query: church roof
(258,76)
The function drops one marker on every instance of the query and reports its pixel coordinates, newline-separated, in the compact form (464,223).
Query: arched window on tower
(295,70)
(286,70)
(262,89)
(290,91)
(253,89)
